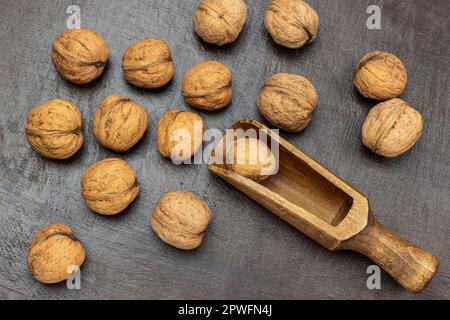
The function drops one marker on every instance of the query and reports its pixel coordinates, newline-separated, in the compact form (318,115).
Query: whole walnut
(380,76)
(80,55)
(392,128)
(291,23)
(53,129)
(148,64)
(180,219)
(219,21)
(288,101)
(119,123)
(54,254)
(179,134)
(207,86)
(251,158)
(109,186)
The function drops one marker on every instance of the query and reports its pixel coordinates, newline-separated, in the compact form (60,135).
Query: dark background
(247,252)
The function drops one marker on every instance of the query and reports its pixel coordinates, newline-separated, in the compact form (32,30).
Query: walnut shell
(380,76)
(180,219)
(148,64)
(207,86)
(392,128)
(179,134)
(288,101)
(53,129)
(251,158)
(52,253)
(119,123)
(80,55)
(219,21)
(291,23)
(109,186)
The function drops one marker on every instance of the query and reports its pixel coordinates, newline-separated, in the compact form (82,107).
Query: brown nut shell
(109,186)
(148,64)
(251,158)
(119,123)
(380,76)
(80,55)
(179,134)
(219,21)
(288,101)
(207,86)
(392,128)
(54,253)
(53,129)
(180,219)
(291,23)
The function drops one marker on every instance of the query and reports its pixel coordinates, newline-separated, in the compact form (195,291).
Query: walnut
(54,253)
(119,123)
(148,64)
(392,128)
(219,21)
(288,101)
(291,23)
(53,129)
(180,219)
(80,55)
(179,134)
(109,186)
(207,86)
(380,76)
(251,158)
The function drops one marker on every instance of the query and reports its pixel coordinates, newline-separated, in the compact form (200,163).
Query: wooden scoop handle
(408,264)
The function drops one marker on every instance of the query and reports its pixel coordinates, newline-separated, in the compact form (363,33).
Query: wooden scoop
(328,210)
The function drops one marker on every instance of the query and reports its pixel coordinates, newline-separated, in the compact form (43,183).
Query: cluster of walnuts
(287,101)
(392,127)
(291,23)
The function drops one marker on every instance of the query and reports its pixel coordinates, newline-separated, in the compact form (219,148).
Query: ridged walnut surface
(80,55)
(392,128)
(180,219)
(181,133)
(53,252)
(148,64)
(109,186)
(380,76)
(219,21)
(119,123)
(53,129)
(251,158)
(288,101)
(291,23)
(207,86)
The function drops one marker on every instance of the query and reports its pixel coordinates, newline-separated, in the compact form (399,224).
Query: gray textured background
(247,252)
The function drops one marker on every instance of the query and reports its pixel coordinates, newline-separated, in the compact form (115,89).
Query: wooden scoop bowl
(328,210)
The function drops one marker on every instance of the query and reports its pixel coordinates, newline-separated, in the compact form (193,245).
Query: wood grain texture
(247,252)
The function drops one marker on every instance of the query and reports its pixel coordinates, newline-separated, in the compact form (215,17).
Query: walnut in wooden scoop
(327,209)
